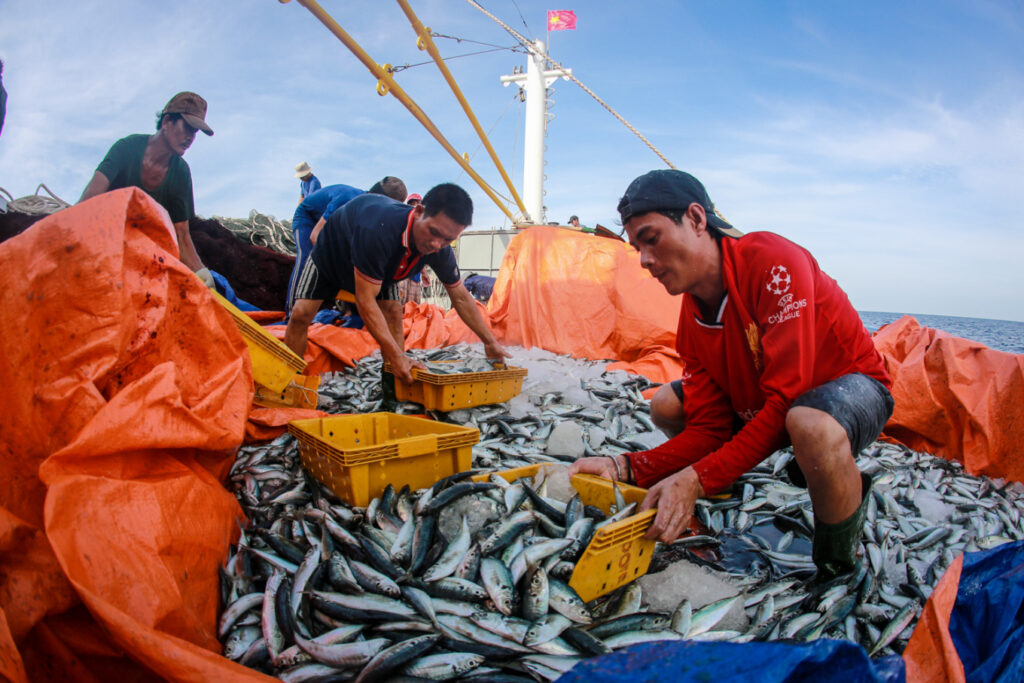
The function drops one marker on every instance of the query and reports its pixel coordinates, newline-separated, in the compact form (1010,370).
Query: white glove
(204,275)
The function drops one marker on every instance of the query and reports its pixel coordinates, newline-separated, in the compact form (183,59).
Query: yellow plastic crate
(618,552)
(460,390)
(357,456)
(300,393)
(274,365)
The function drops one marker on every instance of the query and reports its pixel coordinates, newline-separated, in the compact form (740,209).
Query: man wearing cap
(153,163)
(313,212)
(308,183)
(370,244)
(774,354)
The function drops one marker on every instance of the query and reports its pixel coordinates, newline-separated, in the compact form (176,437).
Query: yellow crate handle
(417,445)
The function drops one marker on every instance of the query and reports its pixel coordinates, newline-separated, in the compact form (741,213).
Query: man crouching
(774,354)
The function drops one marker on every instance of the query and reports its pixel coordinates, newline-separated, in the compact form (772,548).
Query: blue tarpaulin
(835,661)
(987,621)
(226,291)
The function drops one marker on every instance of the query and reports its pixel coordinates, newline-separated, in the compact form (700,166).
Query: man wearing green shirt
(154,164)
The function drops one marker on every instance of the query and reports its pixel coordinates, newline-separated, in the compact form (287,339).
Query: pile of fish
(430,584)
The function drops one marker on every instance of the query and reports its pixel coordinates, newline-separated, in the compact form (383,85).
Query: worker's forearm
(98,185)
(186,249)
(378,327)
(316,230)
(392,311)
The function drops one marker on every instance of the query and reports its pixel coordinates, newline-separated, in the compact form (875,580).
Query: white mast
(535,82)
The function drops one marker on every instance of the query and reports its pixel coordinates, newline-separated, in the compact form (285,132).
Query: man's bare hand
(402,365)
(602,466)
(495,351)
(675,498)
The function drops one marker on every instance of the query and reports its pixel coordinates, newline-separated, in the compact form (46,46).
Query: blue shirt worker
(314,211)
(374,242)
(308,183)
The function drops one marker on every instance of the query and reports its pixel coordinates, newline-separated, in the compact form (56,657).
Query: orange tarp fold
(955,398)
(269,423)
(570,292)
(126,391)
(930,654)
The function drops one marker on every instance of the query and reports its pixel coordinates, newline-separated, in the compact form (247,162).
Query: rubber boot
(835,545)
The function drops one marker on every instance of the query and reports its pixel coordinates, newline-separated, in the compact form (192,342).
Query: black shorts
(861,404)
(313,285)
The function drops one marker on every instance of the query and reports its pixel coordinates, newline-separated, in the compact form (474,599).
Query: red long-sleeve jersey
(784,327)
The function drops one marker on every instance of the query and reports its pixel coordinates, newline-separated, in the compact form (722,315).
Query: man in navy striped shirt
(372,243)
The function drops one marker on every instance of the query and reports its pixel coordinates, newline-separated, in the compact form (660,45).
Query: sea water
(1002,335)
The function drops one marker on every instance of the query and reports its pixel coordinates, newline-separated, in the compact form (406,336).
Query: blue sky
(887,138)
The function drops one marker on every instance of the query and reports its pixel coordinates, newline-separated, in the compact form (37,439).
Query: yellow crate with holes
(274,365)
(459,390)
(618,552)
(357,456)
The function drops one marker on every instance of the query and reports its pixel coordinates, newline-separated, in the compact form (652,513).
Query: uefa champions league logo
(780,281)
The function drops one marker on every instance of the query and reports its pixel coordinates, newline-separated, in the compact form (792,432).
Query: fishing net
(262,230)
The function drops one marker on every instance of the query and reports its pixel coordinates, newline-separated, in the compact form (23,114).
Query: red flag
(561,20)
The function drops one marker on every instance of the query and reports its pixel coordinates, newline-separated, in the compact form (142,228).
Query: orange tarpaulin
(930,654)
(126,393)
(570,292)
(955,398)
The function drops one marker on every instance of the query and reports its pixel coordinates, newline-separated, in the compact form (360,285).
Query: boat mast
(535,83)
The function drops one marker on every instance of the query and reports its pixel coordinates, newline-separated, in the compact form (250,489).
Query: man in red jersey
(774,355)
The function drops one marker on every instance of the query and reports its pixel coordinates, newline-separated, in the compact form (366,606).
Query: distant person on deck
(374,242)
(774,354)
(574,221)
(308,183)
(313,212)
(154,163)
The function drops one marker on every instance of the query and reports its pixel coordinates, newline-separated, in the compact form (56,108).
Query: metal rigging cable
(521,17)
(403,67)
(435,34)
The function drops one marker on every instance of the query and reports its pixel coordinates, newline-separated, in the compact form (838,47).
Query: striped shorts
(313,285)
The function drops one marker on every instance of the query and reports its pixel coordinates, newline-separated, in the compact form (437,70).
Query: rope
(262,230)
(34,204)
(575,80)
